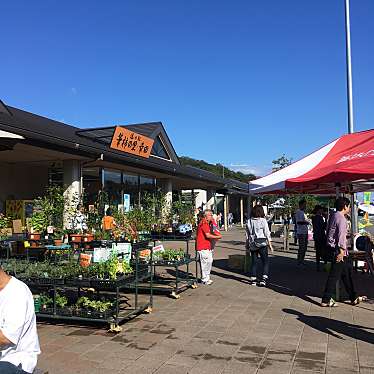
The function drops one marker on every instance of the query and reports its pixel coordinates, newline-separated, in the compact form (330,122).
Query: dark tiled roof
(45,132)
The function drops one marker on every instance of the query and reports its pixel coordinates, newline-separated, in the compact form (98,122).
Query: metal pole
(349,68)
(354,217)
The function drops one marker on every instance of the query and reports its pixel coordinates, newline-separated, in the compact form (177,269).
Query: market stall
(347,163)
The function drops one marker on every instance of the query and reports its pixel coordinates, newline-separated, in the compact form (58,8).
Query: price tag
(85,260)
(158,249)
(101,254)
(124,249)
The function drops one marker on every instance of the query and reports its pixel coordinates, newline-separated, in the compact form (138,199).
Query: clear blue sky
(237,82)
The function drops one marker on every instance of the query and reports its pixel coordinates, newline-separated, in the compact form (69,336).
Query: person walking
(19,343)
(219,219)
(319,235)
(341,266)
(258,243)
(230,219)
(302,231)
(204,238)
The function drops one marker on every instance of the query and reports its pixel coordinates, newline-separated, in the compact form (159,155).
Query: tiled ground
(228,327)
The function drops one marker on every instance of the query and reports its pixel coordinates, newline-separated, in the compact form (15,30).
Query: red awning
(347,161)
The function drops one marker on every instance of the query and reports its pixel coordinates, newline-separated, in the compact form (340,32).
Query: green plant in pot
(58,235)
(38,223)
(5,223)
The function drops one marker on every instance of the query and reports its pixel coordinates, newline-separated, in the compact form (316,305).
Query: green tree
(291,202)
(281,163)
(217,169)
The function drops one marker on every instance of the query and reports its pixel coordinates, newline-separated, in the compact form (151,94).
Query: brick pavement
(228,327)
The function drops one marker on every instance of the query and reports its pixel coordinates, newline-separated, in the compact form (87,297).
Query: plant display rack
(125,304)
(181,280)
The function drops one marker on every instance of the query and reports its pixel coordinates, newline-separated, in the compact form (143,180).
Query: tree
(217,169)
(281,163)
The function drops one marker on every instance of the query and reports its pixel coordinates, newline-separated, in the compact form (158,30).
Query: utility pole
(349,67)
(350,101)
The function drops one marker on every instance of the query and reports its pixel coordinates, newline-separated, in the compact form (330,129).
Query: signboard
(101,254)
(126,202)
(158,249)
(124,249)
(130,142)
(367,197)
(85,260)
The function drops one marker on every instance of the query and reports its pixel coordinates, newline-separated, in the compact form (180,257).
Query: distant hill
(216,169)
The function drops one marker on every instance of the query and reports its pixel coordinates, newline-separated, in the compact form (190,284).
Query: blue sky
(237,82)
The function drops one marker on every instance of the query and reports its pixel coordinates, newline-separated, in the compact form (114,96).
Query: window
(159,149)
(113,186)
(131,187)
(91,184)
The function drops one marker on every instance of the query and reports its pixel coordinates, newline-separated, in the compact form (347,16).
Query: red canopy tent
(347,162)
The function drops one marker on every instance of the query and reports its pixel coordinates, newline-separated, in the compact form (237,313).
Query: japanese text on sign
(131,142)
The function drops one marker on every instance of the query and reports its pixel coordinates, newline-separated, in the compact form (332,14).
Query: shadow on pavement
(232,242)
(289,278)
(334,327)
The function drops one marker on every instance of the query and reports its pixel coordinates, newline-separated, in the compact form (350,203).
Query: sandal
(358,300)
(331,304)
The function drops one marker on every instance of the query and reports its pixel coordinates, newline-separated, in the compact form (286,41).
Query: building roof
(93,143)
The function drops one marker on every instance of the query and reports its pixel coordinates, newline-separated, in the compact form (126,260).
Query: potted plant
(4,225)
(88,237)
(58,237)
(38,224)
(45,303)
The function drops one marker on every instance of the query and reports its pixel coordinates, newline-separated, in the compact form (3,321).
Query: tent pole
(354,215)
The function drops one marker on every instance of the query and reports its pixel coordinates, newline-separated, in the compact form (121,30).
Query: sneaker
(331,304)
(252,281)
(208,283)
(262,283)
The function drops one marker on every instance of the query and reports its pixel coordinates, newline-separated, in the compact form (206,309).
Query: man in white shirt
(19,343)
(302,231)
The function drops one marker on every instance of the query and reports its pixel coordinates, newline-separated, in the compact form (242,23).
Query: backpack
(257,242)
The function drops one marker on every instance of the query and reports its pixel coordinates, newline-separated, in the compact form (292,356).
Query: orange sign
(130,142)
(85,260)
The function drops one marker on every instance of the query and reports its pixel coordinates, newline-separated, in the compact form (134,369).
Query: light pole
(350,100)
(349,67)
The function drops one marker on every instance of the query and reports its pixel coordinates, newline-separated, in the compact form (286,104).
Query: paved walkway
(228,327)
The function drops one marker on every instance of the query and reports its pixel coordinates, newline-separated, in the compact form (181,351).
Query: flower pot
(76,238)
(57,242)
(88,238)
(35,236)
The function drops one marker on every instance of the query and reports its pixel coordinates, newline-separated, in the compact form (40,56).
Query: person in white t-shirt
(302,231)
(19,343)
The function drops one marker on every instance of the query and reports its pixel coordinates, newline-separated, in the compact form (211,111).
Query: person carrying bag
(258,243)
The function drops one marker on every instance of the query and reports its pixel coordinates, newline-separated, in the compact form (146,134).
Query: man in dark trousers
(319,235)
(341,266)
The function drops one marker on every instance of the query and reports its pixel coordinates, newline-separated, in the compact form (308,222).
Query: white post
(225,212)
(72,187)
(167,189)
(241,212)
